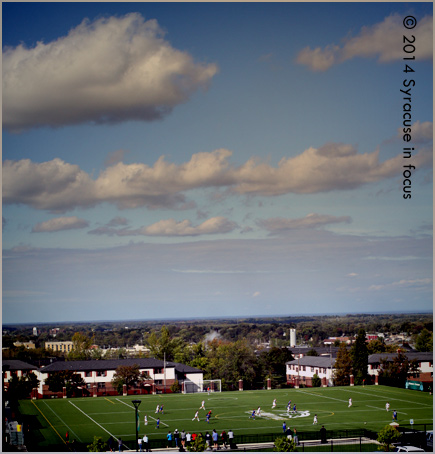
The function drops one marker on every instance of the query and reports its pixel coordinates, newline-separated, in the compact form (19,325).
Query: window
(88,374)
(158,370)
(101,373)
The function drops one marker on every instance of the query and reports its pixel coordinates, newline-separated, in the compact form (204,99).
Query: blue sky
(214,159)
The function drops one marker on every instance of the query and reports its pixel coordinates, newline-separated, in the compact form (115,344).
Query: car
(408,449)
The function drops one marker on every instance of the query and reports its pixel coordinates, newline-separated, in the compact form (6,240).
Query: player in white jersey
(258,412)
(202,405)
(274,403)
(350,402)
(195,417)
(387,406)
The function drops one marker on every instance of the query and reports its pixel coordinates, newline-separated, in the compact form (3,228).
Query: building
(98,375)
(301,371)
(29,345)
(345,339)
(64,347)
(292,337)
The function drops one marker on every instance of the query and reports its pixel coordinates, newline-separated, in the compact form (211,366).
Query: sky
(215,159)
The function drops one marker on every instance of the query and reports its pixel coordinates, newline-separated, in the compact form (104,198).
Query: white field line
(63,422)
(161,422)
(95,422)
(377,408)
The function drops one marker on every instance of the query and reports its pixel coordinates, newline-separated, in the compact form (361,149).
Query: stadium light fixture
(136,404)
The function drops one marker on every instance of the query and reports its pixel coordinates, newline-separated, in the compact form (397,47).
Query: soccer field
(113,416)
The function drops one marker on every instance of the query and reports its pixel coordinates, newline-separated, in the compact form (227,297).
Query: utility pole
(136,404)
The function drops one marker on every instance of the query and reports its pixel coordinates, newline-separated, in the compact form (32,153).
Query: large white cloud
(383,40)
(109,70)
(59,186)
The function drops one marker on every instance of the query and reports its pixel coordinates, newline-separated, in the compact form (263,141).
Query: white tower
(292,337)
(35,331)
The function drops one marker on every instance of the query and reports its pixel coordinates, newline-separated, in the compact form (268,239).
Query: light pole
(136,404)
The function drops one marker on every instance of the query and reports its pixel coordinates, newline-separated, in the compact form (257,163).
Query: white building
(302,370)
(98,375)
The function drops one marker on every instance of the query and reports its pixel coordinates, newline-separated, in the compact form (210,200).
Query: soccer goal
(211,386)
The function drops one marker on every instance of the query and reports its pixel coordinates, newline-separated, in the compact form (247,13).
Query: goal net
(205,386)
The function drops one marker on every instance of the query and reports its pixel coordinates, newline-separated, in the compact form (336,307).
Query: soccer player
(158,423)
(315,419)
(394,415)
(145,420)
(202,405)
(195,417)
(157,408)
(294,408)
(284,427)
(258,413)
(207,418)
(274,403)
(161,409)
(350,402)
(387,406)
(252,414)
(289,407)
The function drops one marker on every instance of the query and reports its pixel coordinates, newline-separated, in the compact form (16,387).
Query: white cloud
(382,40)
(421,132)
(59,186)
(62,223)
(311,221)
(107,71)
(170,227)
(255,294)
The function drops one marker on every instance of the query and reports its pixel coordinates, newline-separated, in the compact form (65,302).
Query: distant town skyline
(215,160)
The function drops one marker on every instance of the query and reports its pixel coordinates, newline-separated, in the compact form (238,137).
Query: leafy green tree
(175,387)
(198,445)
(283,444)
(312,352)
(316,382)
(125,375)
(97,445)
(56,381)
(81,349)
(20,388)
(343,366)
(163,343)
(360,357)
(424,342)
(387,436)
(395,372)
(273,366)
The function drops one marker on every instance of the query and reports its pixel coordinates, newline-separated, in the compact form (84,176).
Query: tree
(360,357)
(81,347)
(97,445)
(198,445)
(395,372)
(424,342)
(273,364)
(316,382)
(163,344)
(125,375)
(387,436)
(342,366)
(175,387)
(20,388)
(283,444)
(312,352)
(56,381)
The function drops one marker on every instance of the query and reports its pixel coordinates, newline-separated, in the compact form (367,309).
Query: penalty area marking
(95,422)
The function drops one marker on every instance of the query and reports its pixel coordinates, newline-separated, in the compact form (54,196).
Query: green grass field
(104,416)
